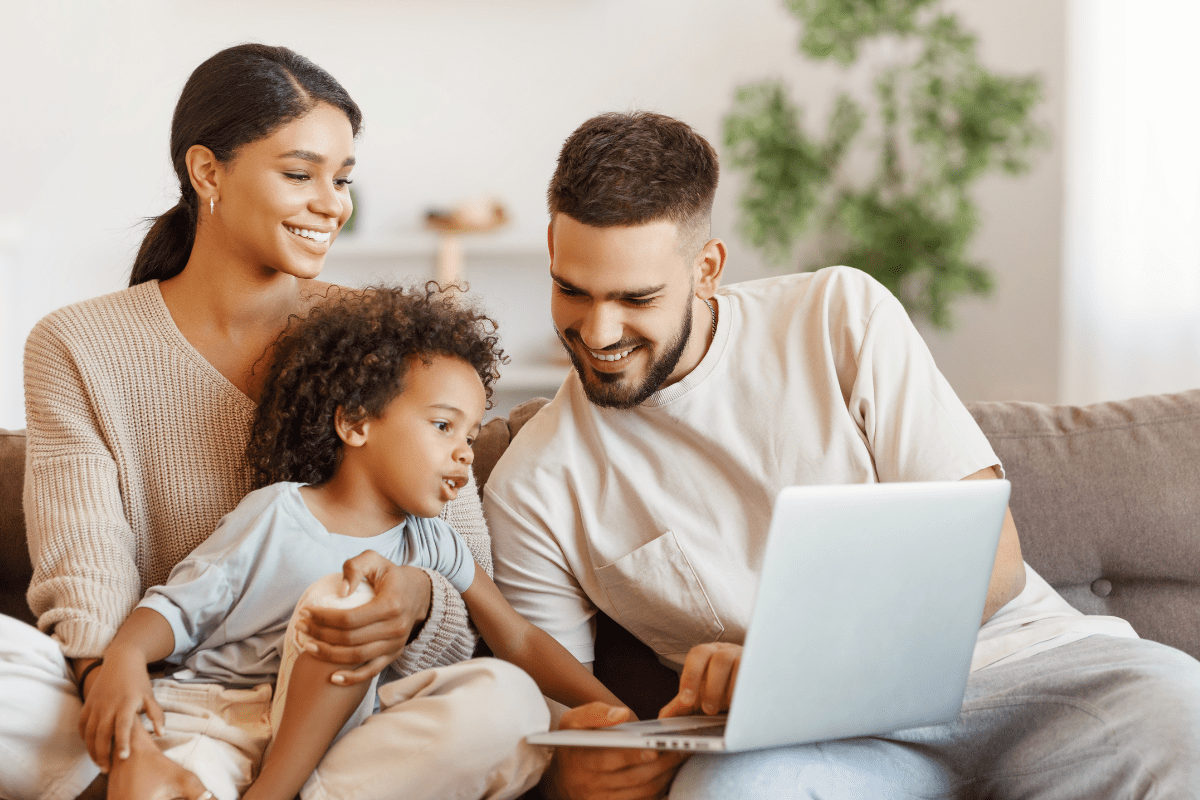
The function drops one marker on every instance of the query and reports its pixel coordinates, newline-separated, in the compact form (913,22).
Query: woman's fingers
(101,738)
(349,677)
(155,714)
(123,732)
(356,655)
(344,628)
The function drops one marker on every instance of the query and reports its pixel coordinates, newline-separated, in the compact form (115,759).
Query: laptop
(864,622)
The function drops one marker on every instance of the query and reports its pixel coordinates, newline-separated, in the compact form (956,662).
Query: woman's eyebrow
(314,158)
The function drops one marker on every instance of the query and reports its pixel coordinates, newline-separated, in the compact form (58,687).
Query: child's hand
(707,680)
(119,693)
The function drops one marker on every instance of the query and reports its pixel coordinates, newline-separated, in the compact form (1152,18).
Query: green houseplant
(937,122)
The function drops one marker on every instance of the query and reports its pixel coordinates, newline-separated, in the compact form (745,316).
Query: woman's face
(282,199)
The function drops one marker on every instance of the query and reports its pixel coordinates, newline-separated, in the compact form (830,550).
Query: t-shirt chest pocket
(657,596)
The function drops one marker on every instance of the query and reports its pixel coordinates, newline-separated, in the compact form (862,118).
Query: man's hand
(373,635)
(591,773)
(706,683)
(119,693)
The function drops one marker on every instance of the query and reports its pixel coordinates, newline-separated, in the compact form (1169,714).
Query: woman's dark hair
(352,352)
(240,95)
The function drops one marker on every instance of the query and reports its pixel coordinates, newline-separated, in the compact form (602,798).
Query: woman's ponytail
(167,246)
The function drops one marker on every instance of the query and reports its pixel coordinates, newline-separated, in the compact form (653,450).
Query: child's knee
(504,700)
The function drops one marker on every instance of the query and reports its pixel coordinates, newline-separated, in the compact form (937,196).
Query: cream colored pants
(448,732)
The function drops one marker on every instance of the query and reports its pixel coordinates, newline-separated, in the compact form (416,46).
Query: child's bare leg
(149,775)
(313,713)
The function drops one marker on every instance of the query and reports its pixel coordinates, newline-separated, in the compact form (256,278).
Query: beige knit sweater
(135,451)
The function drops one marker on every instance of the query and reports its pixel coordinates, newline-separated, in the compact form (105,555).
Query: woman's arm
(512,638)
(85,576)
(121,689)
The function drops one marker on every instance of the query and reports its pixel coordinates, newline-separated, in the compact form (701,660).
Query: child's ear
(352,433)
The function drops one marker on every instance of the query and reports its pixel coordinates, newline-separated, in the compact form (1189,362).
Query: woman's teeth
(316,236)
(610,356)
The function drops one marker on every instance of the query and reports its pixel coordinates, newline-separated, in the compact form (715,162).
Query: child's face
(419,448)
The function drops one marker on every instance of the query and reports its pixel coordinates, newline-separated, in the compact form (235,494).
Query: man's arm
(1008,571)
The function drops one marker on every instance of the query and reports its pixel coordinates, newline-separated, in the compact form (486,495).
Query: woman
(139,405)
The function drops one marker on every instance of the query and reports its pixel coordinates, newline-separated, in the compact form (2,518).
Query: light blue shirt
(230,600)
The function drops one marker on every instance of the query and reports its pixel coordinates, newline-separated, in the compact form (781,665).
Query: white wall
(463,98)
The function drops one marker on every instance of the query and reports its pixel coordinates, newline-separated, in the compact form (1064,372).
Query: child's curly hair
(352,352)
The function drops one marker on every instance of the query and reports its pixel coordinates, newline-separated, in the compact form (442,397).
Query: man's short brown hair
(636,168)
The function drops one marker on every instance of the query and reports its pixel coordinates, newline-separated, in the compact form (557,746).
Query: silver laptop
(868,606)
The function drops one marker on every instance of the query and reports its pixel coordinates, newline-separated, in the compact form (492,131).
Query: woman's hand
(373,635)
(707,680)
(120,692)
(149,775)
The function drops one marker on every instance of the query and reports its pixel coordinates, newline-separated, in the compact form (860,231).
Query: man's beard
(613,389)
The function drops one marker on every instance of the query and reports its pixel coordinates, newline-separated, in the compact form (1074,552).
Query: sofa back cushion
(15,570)
(1107,504)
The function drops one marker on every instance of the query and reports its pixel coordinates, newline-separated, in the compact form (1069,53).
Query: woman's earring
(212,201)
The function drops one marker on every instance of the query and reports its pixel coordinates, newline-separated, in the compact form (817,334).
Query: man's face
(622,306)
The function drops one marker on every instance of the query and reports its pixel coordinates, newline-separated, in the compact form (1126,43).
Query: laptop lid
(869,602)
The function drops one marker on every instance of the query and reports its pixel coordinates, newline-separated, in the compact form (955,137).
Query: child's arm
(121,690)
(313,712)
(513,638)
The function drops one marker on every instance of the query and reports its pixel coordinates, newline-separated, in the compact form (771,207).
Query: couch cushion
(494,437)
(15,570)
(1107,504)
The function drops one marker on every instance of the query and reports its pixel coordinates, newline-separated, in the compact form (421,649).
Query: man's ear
(204,171)
(352,433)
(550,239)
(709,265)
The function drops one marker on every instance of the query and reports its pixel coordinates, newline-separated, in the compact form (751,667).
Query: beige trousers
(448,732)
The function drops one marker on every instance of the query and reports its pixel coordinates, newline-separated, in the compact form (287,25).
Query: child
(363,434)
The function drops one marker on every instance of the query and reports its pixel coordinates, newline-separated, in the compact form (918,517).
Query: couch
(1106,500)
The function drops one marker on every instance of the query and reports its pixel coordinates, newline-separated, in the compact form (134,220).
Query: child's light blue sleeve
(205,585)
(437,546)
(195,601)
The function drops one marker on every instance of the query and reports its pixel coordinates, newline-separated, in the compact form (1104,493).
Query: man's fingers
(716,682)
(594,715)
(732,683)
(349,677)
(632,773)
(691,677)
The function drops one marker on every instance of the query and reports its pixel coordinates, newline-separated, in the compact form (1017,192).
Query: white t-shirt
(658,515)
(230,600)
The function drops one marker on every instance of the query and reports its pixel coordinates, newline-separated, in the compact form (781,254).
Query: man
(644,490)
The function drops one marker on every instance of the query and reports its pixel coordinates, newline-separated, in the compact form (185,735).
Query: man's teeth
(610,356)
(316,236)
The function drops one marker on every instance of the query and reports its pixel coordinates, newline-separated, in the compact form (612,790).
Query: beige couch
(1106,499)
